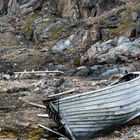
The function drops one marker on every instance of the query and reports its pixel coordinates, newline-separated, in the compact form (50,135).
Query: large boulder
(63,44)
(112,52)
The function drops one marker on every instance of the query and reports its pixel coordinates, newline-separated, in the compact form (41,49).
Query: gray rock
(130,134)
(96,67)
(135,15)
(108,58)
(61,67)
(130,49)
(116,70)
(62,45)
(122,40)
(6,77)
(82,71)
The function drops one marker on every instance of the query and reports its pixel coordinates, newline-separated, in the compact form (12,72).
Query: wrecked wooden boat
(86,114)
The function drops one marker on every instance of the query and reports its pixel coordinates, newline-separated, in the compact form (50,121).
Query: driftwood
(43,115)
(62,93)
(52,131)
(37,105)
(38,72)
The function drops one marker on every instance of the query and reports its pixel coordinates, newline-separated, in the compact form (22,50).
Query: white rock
(122,40)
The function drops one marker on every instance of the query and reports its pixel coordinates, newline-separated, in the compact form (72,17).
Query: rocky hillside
(98,35)
(86,39)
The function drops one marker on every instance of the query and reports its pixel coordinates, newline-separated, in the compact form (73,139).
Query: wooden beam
(37,105)
(62,93)
(43,115)
(52,131)
(38,72)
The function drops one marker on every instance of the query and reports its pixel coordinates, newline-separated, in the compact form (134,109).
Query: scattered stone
(131,134)
(82,71)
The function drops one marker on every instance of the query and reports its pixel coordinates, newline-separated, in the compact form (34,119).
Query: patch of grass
(123,28)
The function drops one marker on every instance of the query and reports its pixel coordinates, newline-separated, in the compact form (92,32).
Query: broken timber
(46,128)
(37,105)
(84,115)
(62,93)
(38,72)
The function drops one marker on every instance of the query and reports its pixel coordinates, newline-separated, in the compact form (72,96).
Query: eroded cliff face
(71,8)
(85,8)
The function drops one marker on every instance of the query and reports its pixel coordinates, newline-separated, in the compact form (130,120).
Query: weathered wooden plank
(37,105)
(43,115)
(37,72)
(62,93)
(90,101)
(46,128)
(108,95)
(100,93)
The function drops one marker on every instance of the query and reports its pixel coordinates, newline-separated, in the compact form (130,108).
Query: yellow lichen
(34,134)
(4,135)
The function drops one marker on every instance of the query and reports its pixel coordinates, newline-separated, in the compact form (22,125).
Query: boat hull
(86,114)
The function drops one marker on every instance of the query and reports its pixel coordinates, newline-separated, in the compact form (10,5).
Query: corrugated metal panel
(87,113)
